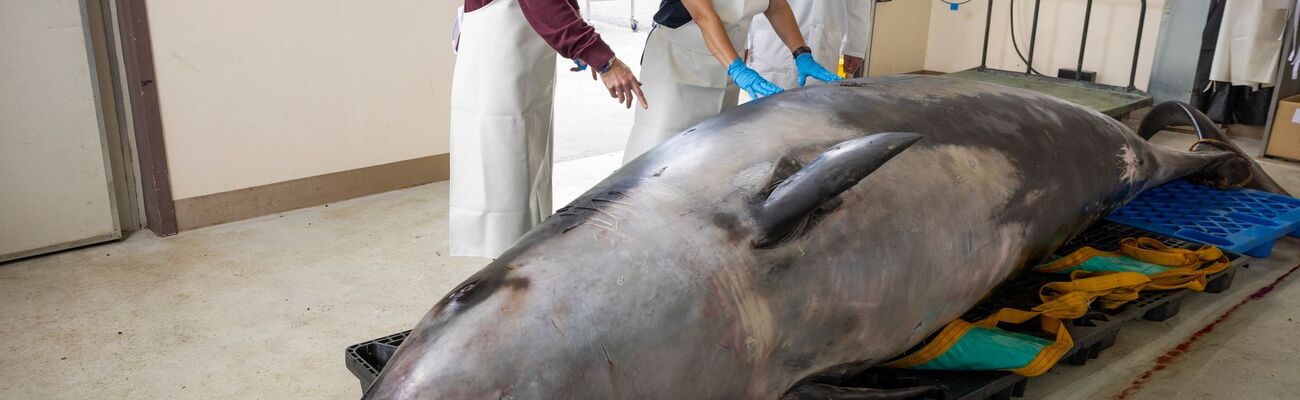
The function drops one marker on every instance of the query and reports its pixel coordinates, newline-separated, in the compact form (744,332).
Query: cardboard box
(1284,140)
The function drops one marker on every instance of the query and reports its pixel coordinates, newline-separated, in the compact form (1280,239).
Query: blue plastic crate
(1237,220)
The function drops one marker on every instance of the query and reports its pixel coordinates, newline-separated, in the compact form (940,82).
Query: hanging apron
(1250,42)
(678,70)
(502,96)
(822,23)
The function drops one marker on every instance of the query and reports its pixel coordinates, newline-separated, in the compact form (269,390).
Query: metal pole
(871,37)
(1083,41)
(1137,46)
(988,23)
(1033,36)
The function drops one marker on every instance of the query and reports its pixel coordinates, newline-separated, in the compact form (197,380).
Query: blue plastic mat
(1237,220)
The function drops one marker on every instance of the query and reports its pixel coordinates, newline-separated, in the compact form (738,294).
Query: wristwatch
(609,64)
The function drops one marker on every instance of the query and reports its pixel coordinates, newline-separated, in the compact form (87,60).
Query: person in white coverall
(692,64)
(832,28)
(502,94)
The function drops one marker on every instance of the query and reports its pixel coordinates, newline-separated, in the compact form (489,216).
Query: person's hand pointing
(622,84)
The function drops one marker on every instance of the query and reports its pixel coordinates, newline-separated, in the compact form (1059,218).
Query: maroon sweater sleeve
(560,25)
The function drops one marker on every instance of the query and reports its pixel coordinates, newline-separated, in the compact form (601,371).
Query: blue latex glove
(751,81)
(578,65)
(809,67)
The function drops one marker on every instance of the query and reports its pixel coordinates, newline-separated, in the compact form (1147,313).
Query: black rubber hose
(1011,18)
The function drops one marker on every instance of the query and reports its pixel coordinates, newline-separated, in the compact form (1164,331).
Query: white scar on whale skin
(1129,163)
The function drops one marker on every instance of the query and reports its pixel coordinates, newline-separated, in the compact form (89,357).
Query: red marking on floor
(1163,361)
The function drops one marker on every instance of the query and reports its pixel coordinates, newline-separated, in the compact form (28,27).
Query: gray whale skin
(779,247)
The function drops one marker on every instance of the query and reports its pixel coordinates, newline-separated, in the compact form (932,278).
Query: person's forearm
(715,35)
(782,19)
(562,27)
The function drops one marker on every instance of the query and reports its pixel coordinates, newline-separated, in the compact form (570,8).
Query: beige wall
(899,37)
(256,92)
(955,37)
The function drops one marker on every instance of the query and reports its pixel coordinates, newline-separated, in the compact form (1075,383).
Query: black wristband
(801,50)
(609,65)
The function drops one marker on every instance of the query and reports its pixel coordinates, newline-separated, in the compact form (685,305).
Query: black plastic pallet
(1092,334)
(365,360)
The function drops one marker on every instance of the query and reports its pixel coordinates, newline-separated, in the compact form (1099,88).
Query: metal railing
(1083,41)
(632,22)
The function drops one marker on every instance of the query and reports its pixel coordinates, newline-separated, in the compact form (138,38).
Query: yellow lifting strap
(1069,300)
(1050,354)
(941,343)
(1187,269)
(954,331)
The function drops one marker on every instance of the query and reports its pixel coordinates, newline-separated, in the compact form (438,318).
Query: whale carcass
(791,242)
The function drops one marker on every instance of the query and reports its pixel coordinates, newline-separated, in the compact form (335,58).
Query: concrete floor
(579,100)
(262,309)
(254,309)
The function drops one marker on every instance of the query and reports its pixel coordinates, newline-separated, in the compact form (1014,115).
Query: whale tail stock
(1236,170)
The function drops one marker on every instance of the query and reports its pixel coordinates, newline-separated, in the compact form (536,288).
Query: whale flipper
(787,208)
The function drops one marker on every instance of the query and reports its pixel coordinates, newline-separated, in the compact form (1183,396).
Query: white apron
(683,80)
(501,99)
(830,27)
(1250,42)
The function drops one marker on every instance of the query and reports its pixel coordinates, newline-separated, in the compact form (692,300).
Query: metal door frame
(146,119)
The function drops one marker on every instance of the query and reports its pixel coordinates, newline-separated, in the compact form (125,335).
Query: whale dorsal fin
(787,209)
